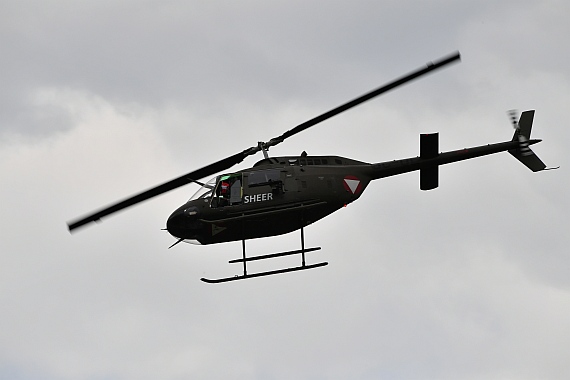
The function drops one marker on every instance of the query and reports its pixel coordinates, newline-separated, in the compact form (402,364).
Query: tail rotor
(514,116)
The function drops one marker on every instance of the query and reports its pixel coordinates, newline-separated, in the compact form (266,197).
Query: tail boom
(391,168)
(429,160)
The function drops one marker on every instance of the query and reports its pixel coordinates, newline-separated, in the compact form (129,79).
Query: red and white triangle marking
(352,184)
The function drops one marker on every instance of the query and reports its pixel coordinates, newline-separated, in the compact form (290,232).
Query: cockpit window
(223,190)
(206,190)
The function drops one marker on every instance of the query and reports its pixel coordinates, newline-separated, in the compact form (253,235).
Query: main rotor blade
(228,162)
(163,188)
(431,66)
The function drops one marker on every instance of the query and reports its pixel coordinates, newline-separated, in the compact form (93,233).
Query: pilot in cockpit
(223,192)
(228,191)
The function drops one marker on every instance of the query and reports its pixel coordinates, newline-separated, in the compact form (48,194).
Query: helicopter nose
(174,222)
(182,222)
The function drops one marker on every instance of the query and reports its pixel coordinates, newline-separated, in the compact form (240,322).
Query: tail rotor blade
(513,116)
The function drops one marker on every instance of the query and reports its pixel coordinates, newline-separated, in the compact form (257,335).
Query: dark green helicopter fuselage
(276,196)
(283,194)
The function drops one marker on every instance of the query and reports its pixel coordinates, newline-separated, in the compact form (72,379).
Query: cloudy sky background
(99,100)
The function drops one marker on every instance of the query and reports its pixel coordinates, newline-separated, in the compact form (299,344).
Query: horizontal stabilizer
(529,159)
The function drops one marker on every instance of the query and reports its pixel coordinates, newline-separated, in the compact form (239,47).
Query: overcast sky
(102,99)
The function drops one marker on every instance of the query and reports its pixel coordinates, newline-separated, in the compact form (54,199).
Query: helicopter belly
(265,224)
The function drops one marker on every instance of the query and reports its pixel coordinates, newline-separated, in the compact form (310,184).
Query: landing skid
(245,259)
(261,274)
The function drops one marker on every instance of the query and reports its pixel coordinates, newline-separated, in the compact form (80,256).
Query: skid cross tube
(273,255)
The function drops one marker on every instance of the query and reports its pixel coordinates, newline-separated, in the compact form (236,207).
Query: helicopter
(279,195)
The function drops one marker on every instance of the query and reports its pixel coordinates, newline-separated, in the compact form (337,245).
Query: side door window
(236,192)
(263,185)
(264,177)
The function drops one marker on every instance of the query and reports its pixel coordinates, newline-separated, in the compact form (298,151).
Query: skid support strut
(243,255)
(302,247)
(245,259)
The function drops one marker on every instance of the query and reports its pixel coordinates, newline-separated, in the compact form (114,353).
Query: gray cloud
(99,101)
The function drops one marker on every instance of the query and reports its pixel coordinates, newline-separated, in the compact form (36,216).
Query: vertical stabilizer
(522,134)
(429,148)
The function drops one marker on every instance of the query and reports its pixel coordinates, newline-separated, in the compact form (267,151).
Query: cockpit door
(228,191)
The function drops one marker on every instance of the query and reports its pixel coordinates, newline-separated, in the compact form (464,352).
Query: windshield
(206,190)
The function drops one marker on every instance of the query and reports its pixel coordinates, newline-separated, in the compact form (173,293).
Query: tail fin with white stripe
(522,134)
